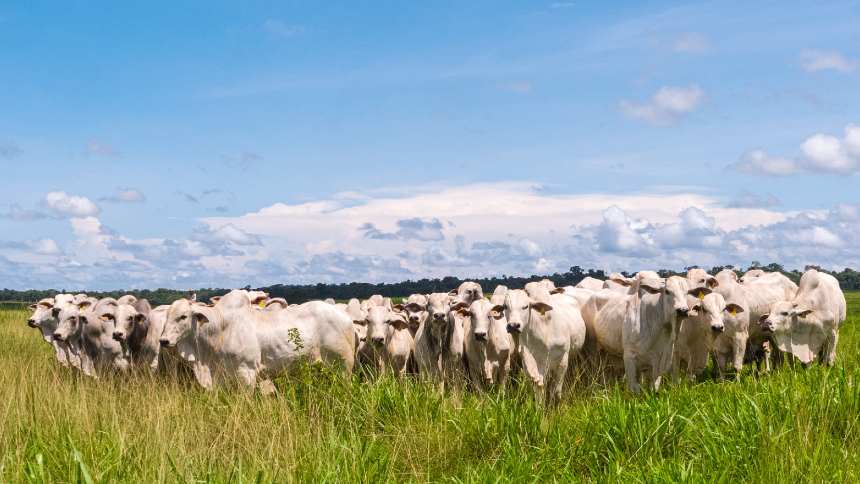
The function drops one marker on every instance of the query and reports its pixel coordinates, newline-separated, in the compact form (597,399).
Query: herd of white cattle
(652,325)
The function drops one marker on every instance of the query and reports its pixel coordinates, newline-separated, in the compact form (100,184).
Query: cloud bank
(469,230)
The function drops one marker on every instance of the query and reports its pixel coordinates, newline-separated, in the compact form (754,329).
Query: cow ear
(712,282)
(452,292)
(734,309)
(55,312)
(139,318)
(620,280)
(83,305)
(695,310)
(650,289)
(802,312)
(699,293)
(459,305)
(557,290)
(32,307)
(462,311)
(497,311)
(398,307)
(199,317)
(541,307)
(214,299)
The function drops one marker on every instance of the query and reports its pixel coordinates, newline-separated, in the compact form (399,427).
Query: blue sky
(218,143)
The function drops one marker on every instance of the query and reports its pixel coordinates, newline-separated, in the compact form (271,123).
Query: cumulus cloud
(407,229)
(470,230)
(820,153)
(61,204)
(666,106)
(825,60)
(125,195)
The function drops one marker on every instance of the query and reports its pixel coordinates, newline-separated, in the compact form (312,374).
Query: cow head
(519,310)
(42,313)
(126,318)
(69,320)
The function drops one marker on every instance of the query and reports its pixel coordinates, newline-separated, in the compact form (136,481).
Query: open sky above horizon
(223,144)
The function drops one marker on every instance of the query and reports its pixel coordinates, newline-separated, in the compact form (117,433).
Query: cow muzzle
(514,328)
(118,336)
(682,312)
(32,323)
(377,341)
(718,328)
(164,342)
(767,327)
(58,337)
(481,336)
(439,316)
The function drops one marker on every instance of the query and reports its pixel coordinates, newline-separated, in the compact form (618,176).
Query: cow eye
(785,314)
(525,307)
(182,318)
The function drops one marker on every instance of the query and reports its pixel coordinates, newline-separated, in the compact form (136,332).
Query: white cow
(487,344)
(700,279)
(590,283)
(230,340)
(549,331)
(730,346)
(389,342)
(468,292)
(807,326)
(138,328)
(88,330)
(640,326)
(761,294)
(698,333)
(44,318)
(415,308)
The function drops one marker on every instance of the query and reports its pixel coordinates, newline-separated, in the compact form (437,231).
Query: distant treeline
(849,279)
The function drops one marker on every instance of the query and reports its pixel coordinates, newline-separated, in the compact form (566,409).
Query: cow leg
(203,376)
(830,347)
(558,378)
(739,347)
(632,374)
(532,370)
(767,355)
(267,387)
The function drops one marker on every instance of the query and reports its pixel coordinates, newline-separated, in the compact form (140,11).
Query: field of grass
(796,425)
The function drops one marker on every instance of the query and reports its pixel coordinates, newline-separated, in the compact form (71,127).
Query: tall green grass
(794,425)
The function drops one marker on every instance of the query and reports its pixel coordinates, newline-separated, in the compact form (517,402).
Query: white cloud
(760,162)
(691,43)
(432,231)
(822,60)
(666,106)
(820,153)
(61,204)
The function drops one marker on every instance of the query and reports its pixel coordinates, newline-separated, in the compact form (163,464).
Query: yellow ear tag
(262,303)
(542,311)
(701,295)
(733,312)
